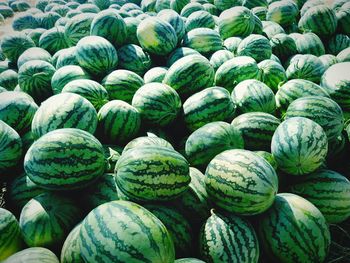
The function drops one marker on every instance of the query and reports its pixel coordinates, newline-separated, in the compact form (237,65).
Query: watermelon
(200,19)
(268,157)
(271,28)
(209,140)
(155,74)
(156,36)
(272,74)
(35,35)
(65,75)
(253,95)
(189,8)
(236,21)
(46,220)
(25,21)
(101,4)
(232,43)
(73,12)
(308,43)
(180,53)
(294,230)
(122,84)
(255,46)
(259,11)
(241,182)
(11,239)
(134,58)
(147,140)
(33,53)
(100,231)
(220,57)
(324,111)
(343,19)
(9,79)
(70,250)
(90,90)
(6,11)
(175,20)
(283,46)
(77,28)
(157,103)
(282,12)
(189,75)
(106,20)
(53,40)
(299,145)
(67,57)
(88,8)
(189,260)
(32,255)
(131,29)
(344,55)
(257,129)
(255,3)
(203,40)
(235,71)
(81,150)
(148,5)
(168,166)
(228,238)
(48,19)
(17,109)
(34,78)
(14,44)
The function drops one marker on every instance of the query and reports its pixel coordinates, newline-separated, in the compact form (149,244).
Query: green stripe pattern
(65,159)
(294,231)
(272,74)
(33,53)
(155,74)
(66,57)
(174,19)
(78,27)
(299,145)
(282,12)
(14,44)
(152,173)
(220,57)
(53,40)
(135,235)
(200,19)
(255,46)
(241,182)
(308,43)
(33,255)
(180,53)
(10,147)
(147,140)
(70,250)
(203,40)
(134,58)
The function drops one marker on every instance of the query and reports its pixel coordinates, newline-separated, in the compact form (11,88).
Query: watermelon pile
(175,131)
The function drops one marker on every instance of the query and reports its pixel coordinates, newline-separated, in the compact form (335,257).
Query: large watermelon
(14,44)
(272,74)
(33,53)
(134,58)
(70,250)
(33,255)
(204,40)
(77,28)
(255,46)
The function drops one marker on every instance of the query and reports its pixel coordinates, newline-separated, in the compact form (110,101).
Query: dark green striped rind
(118,122)
(155,74)
(14,44)
(253,96)
(46,220)
(329,191)
(65,110)
(208,105)
(65,159)
(308,43)
(17,109)
(33,255)
(297,88)
(177,226)
(209,140)
(8,79)
(189,8)
(147,140)
(220,57)
(203,40)
(122,84)
(70,250)
(271,28)
(338,43)
(131,29)
(175,20)
(65,75)
(255,46)
(299,145)
(324,111)
(241,182)
(104,238)
(53,40)
(96,55)
(67,57)
(228,238)
(133,58)
(282,12)
(255,3)
(236,70)
(88,89)
(33,53)
(10,147)
(180,53)
(152,173)
(257,129)
(189,75)
(272,74)
(200,19)
(78,27)
(294,231)
(236,21)
(157,103)
(268,157)
(283,46)
(11,239)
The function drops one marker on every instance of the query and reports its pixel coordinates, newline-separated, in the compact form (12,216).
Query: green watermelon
(67,57)
(343,19)
(9,79)
(220,57)
(70,250)
(33,255)
(308,43)
(272,74)
(241,182)
(282,12)
(203,40)
(344,55)
(189,8)
(283,46)
(299,145)
(134,58)
(155,74)
(268,157)
(175,20)
(271,28)
(48,19)
(77,156)
(14,44)
(255,46)
(88,8)
(180,53)
(131,29)
(35,35)
(232,43)
(199,19)
(78,27)
(33,53)
(53,40)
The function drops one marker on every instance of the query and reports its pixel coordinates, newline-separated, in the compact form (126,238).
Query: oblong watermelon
(203,40)
(255,46)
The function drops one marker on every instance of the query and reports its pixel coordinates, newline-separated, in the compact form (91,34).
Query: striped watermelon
(257,129)
(259,11)
(200,19)
(294,230)
(138,181)
(308,43)
(34,78)
(283,46)
(147,140)
(155,74)
(100,231)
(328,191)
(118,122)
(35,35)
(96,55)
(343,19)
(232,43)
(106,20)
(241,182)
(271,28)
(70,250)
(255,46)
(33,53)
(175,20)
(88,8)
(268,157)
(53,40)
(236,21)
(189,8)
(122,84)
(209,140)
(10,147)
(11,239)
(282,12)
(189,75)
(78,27)
(324,111)
(46,220)
(299,145)
(131,29)
(48,19)
(65,110)
(236,70)
(133,58)
(272,74)
(14,44)
(203,40)
(189,260)
(67,57)
(220,57)
(156,36)
(33,255)
(252,95)
(180,53)
(77,156)
(228,238)
(255,3)
(310,3)
(91,90)
(9,79)
(208,105)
